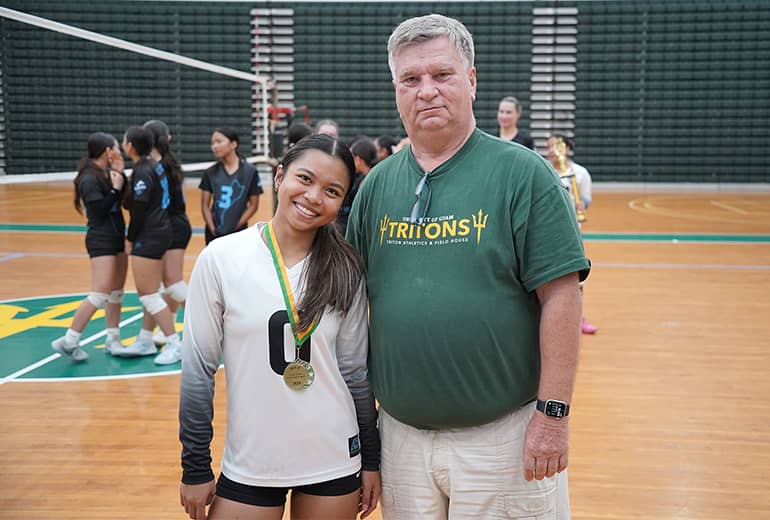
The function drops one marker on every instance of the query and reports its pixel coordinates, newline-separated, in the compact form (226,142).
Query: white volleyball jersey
(275,436)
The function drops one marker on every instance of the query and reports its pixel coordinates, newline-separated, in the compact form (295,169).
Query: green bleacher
(666,90)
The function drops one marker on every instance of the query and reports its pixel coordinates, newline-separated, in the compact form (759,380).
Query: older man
(473,260)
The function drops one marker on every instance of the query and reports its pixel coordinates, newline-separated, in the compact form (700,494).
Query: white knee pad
(177,291)
(115,297)
(97,299)
(153,303)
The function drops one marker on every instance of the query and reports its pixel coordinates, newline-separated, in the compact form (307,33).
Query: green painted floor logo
(27,327)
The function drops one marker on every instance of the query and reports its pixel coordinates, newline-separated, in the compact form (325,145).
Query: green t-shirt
(454,316)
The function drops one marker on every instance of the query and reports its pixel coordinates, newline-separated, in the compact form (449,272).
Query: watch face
(555,408)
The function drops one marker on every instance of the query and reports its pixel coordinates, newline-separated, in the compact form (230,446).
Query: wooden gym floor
(670,414)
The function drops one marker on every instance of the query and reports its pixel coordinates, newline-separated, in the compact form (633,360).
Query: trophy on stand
(560,150)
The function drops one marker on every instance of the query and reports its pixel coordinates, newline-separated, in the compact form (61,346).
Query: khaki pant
(469,473)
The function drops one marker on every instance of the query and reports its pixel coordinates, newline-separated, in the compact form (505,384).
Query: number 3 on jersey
(276,336)
(225,197)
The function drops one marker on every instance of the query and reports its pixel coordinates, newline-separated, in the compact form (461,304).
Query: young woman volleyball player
(365,155)
(175,288)
(284,304)
(99,188)
(230,188)
(149,232)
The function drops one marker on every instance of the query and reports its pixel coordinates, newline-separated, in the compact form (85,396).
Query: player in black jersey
(230,188)
(99,187)
(149,232)
(365,154)
(175,288)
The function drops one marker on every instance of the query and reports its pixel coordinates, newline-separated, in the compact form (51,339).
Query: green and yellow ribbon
(288,297)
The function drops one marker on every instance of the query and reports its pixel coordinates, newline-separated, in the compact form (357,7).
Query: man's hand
(196,497)
(546,447)
(371,489)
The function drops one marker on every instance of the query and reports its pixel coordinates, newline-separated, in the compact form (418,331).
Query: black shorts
(276,496)
(181,231)
(104,245)
(149,245)
(211,236)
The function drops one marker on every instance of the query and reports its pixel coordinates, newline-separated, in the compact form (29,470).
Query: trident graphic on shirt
(479,224)
(384,226)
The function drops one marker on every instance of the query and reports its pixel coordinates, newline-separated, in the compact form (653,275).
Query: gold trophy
(560,150)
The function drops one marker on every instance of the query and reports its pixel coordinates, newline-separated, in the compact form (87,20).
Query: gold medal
(299,375)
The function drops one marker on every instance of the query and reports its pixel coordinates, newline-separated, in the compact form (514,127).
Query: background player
(508,114)
(99,187)
(230,188)
(173,260)
(365,155)
(577,181)
(149,232)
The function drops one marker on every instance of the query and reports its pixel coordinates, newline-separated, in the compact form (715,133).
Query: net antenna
(263,83)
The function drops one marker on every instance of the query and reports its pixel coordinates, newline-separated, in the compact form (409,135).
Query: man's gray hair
(424,28)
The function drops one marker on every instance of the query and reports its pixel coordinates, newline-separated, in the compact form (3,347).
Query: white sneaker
(69,350)
(137,349)
(170,355)
(113,347)
(159,338)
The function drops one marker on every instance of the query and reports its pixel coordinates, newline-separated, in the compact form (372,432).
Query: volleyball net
(63,82)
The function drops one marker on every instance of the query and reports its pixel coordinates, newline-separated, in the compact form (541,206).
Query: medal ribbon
(288,297)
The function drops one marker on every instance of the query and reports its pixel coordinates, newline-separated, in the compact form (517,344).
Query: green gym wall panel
(59,89)
(357,91)
(666,90)
(695,74)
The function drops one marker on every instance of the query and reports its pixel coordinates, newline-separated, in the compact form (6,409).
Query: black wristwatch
(553,408)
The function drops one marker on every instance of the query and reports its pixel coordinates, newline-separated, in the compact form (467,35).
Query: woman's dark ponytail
(97,143)
(161,135)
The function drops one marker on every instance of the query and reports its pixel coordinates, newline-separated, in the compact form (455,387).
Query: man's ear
(472,78)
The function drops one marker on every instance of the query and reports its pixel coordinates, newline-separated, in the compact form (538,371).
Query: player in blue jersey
(175,288)
(230,188)
(149,232)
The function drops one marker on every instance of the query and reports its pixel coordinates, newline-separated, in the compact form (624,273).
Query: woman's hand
(116,161)
(196,497)
(117,179)
(371,488)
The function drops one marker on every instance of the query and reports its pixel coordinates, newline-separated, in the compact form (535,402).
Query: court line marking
(689,238)
(11,256)
(723,267)
(52,357)
(728,207)
(33,227)
(645,205)
(43,296)
(102,378)
(97,378)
